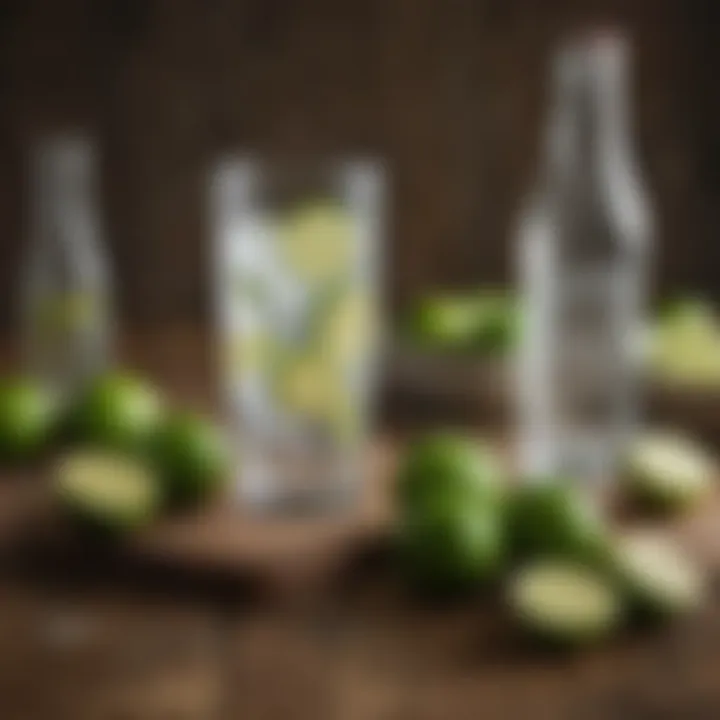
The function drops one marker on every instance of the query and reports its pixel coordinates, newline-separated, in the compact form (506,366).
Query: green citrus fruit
(564,603)
(451,548)
(444,322)
(28,416)
(193,459)
(105,491)
(554,518)
(496,323)
(447,468)
(667,471)
(118,411)
(659,579)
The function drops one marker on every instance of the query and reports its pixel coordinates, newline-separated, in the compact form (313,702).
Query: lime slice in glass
(316,241)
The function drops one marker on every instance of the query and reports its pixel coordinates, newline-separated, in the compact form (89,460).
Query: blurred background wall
(450,92)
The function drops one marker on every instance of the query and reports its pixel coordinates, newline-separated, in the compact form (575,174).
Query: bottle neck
(65,228)
(63,190)
(588,133)
(609,80)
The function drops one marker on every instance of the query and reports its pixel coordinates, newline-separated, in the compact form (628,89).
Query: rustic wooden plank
(84,656)
(371,653)
(154,633)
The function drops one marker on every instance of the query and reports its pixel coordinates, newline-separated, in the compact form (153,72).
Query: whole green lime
(497,323)
(553,518)
(445,468)
(28,415)
(482,322)
(451,549)
(118,411)
(192,457)
(444,322)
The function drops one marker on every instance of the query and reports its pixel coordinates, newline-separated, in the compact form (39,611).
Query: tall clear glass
(297,263)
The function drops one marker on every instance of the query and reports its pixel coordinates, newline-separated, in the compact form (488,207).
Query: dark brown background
(448,91)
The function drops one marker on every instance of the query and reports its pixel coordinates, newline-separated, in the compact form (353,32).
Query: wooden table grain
(82,650)
(95,637)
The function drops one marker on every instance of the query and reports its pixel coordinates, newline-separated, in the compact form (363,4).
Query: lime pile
(569,577)
(125,456)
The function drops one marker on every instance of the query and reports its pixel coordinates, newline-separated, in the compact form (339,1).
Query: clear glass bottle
(584,246)
(66,294)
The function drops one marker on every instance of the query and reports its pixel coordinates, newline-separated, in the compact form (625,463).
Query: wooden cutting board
(223,539)
(285,549)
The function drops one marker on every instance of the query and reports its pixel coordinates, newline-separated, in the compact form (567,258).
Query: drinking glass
(297,266)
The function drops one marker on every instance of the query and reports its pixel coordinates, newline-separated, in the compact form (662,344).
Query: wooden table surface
(87,637)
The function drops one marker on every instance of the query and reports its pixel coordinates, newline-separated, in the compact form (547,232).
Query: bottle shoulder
(79,258)
(613,206)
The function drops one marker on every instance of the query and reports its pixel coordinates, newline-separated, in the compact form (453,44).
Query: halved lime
(667,470)
(658,576)
(686,345)
(106,491)
(565,603)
